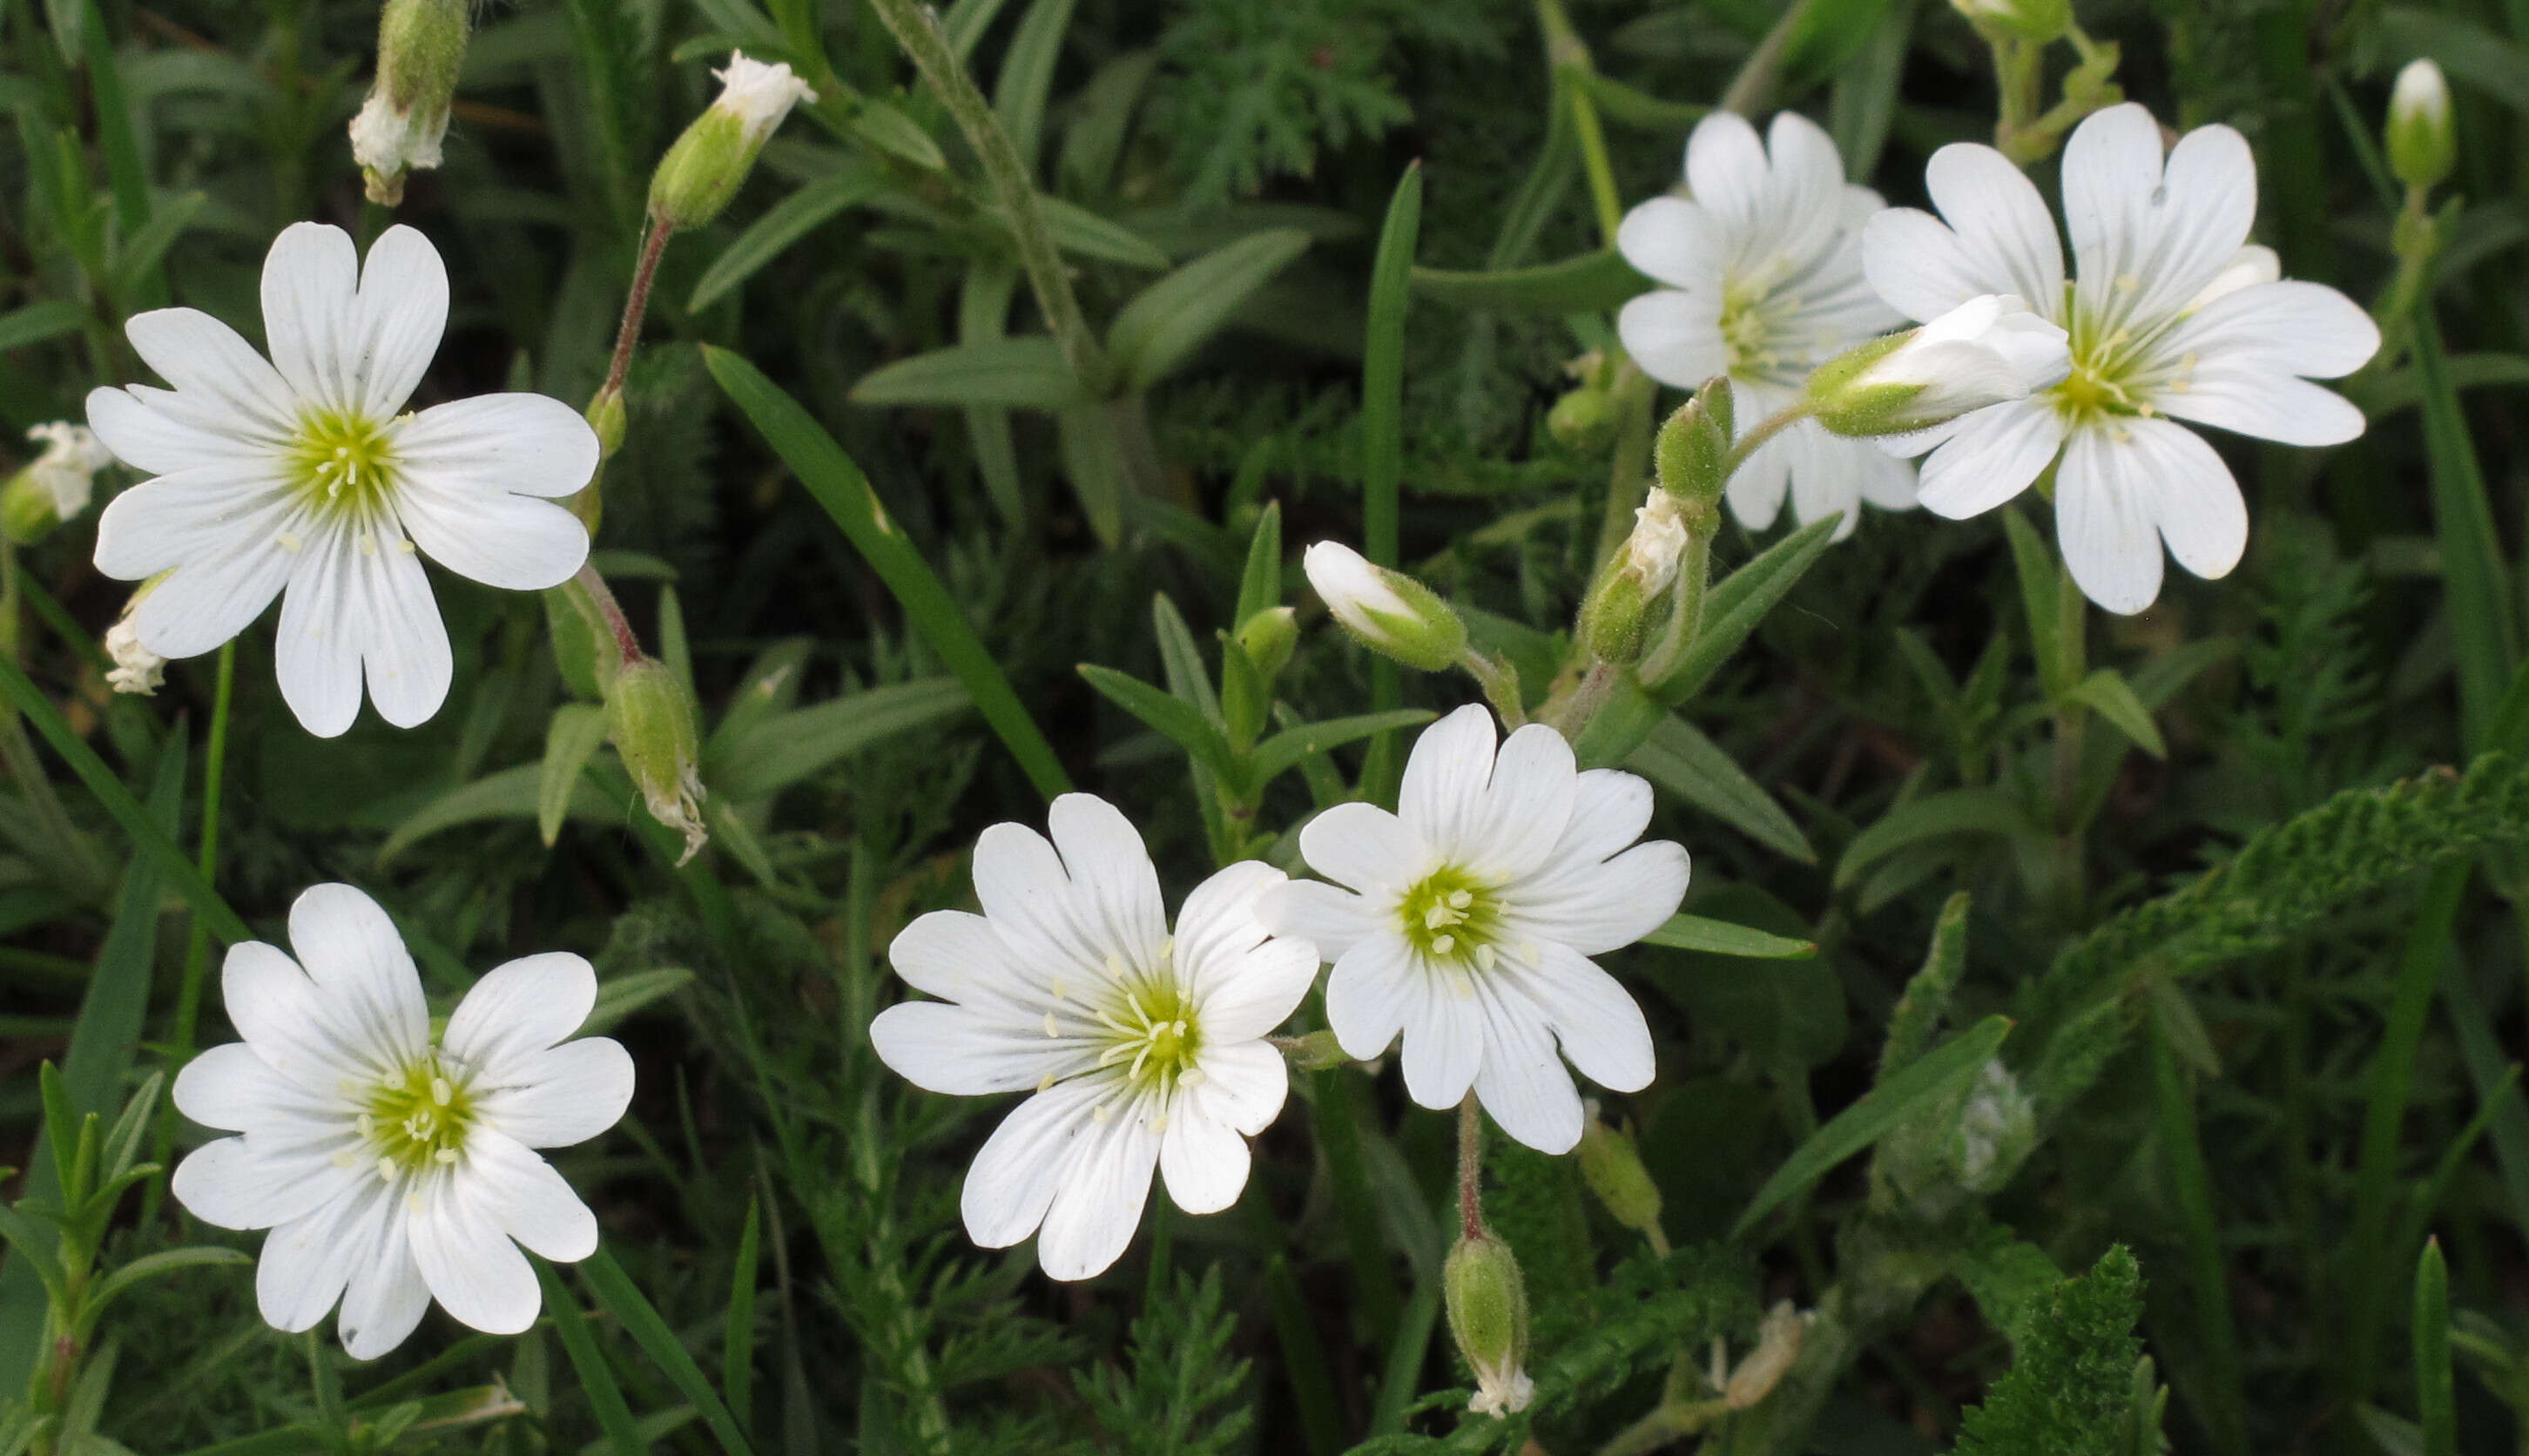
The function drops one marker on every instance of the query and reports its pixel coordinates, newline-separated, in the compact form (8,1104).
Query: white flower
(67,470)
(2171,315)
(759,95)
(300,474)
(1763,269)
(1988,350)
(1472,915)
(391,1170)
(1143,1050)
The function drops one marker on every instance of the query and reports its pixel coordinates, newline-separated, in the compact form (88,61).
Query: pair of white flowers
(1465,922)
(1777,264)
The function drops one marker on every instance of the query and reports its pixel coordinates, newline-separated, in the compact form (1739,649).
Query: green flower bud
(1487,1303)
(1989,350)
(1583,419)
(652,719)
(1390,611)
(1694,444)
(56,486)
(1267,638)
(1616,619)
(2040,21)
(421,46)
(1614,1171)
(2423,144)
(702,171)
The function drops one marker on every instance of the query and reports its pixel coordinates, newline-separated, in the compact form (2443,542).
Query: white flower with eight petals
(1765,283)
(392,1170)
(301,474)
(1143,1049)
(1472,915)
(2173,313)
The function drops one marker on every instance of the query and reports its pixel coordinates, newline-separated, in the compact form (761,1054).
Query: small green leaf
(1721,938)
(1588,284)
(787,748)
(786,222)
(139,253)
(623,1299)
(1679,758)
(1172,717)
(1739,602)
(570,740)
(1168,320)
(1955,811)
(151,1266)
(1026,371)
(2114,699)
(1290,746)
(511,793)
(1077,230)
(37,322)
(888,130)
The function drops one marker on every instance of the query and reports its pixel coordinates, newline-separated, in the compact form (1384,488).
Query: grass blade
(631,1309)
(2483,635)
(2216,1385)
(605,1396)
(1382,440)
(2435,1407)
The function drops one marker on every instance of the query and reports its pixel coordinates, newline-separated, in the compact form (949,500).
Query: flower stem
(1568,62)
(1632,393)
(1756,79)
(915,29)
(627,644)
(1500,682)
(1470,1165)
(1750,441)
(645,274)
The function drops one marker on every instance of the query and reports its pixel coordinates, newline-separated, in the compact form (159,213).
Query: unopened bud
(1613,1168)
(135,670)
(2030,20)
(56,486)
(2423,143)
(1778,1344)
(1692,451)
(1989,350)
(651,717)
(421,46)
(702,171)
(1487,1303)
(1267,638)
(1390,611)
(1583,419)
(1616,619)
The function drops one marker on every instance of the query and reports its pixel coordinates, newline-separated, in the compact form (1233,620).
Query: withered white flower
(1466,920)
(301,474)
(1144,1049)
(394,1168)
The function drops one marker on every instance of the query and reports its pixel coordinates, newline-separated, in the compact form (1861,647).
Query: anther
(1443,945)
(440,1091)
(445,1155)
(1103,1112)
(1051,1031)
(1460,899)
(1486,955)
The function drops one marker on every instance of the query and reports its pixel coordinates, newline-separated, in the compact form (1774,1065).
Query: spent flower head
(394,1166)
(1143,1049)
(704,167)
(2173,316)
(1486,1294)
(54,486)
(304,474)
(421,46)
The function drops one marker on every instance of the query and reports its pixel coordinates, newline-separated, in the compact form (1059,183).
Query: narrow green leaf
(2435,1398)
(1641,110)
(150,1266)
(787,748)
(1172,318)
(2217,1389)
(784,223)
(1721,938)
(1382,440)
(37,322)
(631,1309)
(2473,575)
(1919,1086)
(1027,371)
(1954,811)
(1027,75)
(136,260)
(1739,602)
(2040,601)
(1591,282)
(1678,757)
(2107,693)
(1170,717)
(570,740)
(1260,586)
(838,485)
(885,127)
(1287,748)
(511,793)
(605,1395)
(1077,230)
(619,996)
(737,1342)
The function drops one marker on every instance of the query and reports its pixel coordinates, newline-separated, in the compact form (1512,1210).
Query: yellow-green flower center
(343,462)
(1450,916)
(2119,362)
(419,1119)
(1154,1032)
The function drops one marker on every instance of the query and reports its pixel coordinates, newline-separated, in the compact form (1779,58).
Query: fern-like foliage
(2070,1384)
(1184,1396)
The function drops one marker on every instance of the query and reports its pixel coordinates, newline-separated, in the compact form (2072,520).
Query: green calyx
(1691,454)
(702,171)
(422,46)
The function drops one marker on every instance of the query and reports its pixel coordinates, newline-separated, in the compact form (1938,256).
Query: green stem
(1748,443)
(1755,80)
(637,303)
(1470,1168)
(1632,393)
(915,29)
(1568,60)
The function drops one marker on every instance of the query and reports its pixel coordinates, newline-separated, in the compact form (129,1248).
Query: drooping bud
(1487,1303)
(135,670)
(2040,21)
(1583,419)
(1778,1344)
(1389,612)
(55,486)
(1616,619)
(1989,350)
(421,46)
(652,720)
(1267,638)
(2423,143)
(1694,446)
(1613,1168)
(702,171)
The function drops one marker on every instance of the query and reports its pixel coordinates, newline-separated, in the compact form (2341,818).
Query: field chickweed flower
(391,1170)
(1471,916)
(1144,1049)
(301,474)
(1765,283)
(2173,316)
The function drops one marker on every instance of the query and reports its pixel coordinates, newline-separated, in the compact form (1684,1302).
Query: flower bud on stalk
(421,44)
(1614,1171)
(702,171)
(1583,419)
(1267,638)
(2423,144)
(1487,1303)
(651,718)
(1615,621)
(55,486)
(1389,612)
(1989,350)
(1692,453)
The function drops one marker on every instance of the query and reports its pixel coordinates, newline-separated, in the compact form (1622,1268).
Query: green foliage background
(2256,982)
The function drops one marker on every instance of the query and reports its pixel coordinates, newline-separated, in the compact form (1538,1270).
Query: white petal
(1526,806)
(2103,523)
(943,1047)
(1217,924)
(217,371)
(1727,170)
(515,543)
(958,956)
(1097,1206)
(403,311)
(1028,898)
(554,1099)
(1203,1162)
(528,1200)
(471,1268)
(358,959)
(1522,1084)
(2290,327)
(1371,993)
(229,1184)
(196,514)
(1332,919)
(2148,238)
(229,1086)
(2267,404)
(1244,1085)
(311,283)
(1599,1023)
(1918,265)
(1014,1175)
(1669,239)
(1595,907)
(1442,799)
(2194,500)
(277,1009)
(406,653)
(1248,996)
(516,444)
(1114,884)
(1675,337)
(2003,226)
(158,440)
(316,655)
(307,1262)
(1757,489)
(211,597)
(1445,1040)
(519,1008)
(1367,847)
(385,1297)
(1990,457)
(1610,809)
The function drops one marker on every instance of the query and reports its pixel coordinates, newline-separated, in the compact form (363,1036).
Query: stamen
(1103,1112)
(1486,955)
(440,1091)
(1051,1032)
(1443,945)
(445,1155)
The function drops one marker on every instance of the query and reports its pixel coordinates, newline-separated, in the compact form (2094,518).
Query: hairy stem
(637,303)
(1470,1168)
(1755,80)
